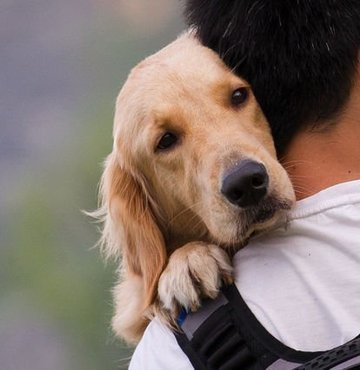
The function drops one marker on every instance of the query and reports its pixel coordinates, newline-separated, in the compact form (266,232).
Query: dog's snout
(246,184)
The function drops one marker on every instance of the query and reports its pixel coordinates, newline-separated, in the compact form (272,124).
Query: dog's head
(193,159)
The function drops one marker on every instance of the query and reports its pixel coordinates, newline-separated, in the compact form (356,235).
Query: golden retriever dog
(192,174)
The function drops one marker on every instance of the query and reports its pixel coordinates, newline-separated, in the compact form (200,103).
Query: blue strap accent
(182,316)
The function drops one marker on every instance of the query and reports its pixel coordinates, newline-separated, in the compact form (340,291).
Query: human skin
(320,158)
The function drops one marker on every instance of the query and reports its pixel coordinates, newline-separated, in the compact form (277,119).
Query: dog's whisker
(303,190)
(233,70)
(284,160)
(298,176)
(294,164)
(182,212)
(196,225)
(301,185)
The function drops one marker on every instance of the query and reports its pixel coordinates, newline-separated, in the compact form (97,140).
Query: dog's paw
(194,271)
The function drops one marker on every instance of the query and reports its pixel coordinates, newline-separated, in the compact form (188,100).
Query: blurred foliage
(53,267)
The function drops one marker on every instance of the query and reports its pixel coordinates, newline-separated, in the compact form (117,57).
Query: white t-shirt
(302,281)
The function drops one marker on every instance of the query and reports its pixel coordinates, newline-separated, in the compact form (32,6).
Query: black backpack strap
(218,337)
(225,335)
(248,323)
(195,326)
(343,357)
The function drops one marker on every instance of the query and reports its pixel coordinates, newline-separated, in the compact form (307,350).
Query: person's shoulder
(158,349)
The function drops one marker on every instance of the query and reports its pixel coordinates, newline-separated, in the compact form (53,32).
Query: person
(301,281)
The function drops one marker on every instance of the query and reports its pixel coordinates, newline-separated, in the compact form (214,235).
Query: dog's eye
(239,96)
(167,141)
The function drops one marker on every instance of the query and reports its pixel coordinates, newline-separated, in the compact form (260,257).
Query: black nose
(246,184)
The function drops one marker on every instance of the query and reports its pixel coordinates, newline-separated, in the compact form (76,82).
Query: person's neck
(318,160)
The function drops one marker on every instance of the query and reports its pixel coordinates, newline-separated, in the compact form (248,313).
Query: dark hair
(300,56)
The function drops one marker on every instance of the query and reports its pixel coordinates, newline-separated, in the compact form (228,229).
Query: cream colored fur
(163,212)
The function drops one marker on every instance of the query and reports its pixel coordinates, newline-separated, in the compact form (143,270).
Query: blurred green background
(62,64)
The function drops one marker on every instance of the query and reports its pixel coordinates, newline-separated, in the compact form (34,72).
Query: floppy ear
(130,229)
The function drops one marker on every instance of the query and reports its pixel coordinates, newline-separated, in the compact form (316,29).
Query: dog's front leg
(194,271)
